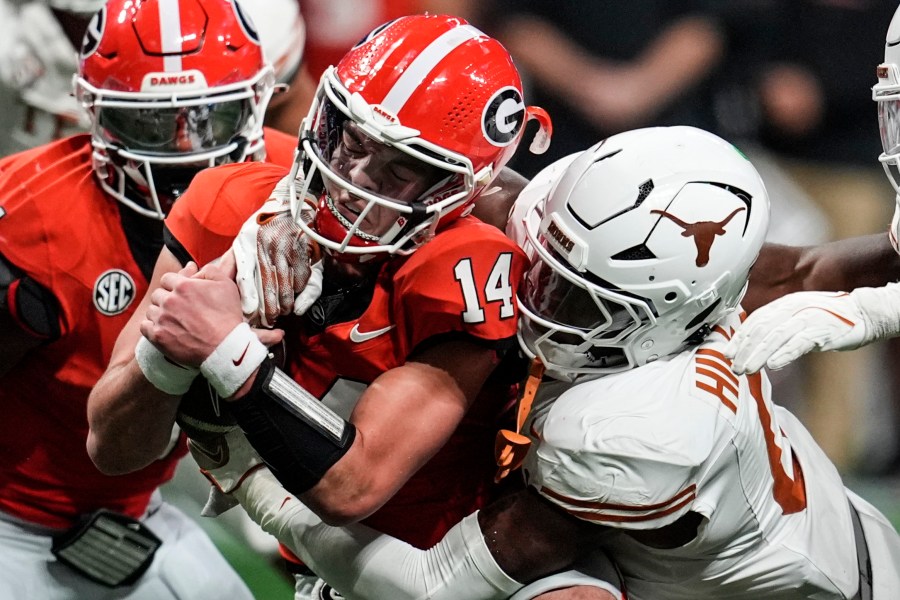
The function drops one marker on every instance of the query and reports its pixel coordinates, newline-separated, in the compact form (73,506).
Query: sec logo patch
(113,292)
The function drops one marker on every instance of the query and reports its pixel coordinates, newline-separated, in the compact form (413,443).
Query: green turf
(265,580)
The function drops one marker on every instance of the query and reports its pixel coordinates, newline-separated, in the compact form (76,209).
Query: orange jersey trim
(654,511)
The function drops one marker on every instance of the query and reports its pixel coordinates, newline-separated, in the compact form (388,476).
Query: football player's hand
(782,331)
(225,460)
(192,312)
(279,270)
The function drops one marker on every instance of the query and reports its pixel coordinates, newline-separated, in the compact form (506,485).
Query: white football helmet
(282,32)
(887,94)
(639,245)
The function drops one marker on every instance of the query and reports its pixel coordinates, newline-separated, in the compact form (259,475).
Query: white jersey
(640,449)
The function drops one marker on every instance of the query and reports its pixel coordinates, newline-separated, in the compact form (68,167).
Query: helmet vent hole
(605,156)
(641,252)
(653,278)
(643,191)
(671,297)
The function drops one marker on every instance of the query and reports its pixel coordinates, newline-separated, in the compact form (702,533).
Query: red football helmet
(406,131)
(172,87)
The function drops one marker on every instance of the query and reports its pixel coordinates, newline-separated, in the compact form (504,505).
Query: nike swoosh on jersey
(364,336)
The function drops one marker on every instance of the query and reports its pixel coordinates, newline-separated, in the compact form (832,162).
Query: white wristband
(234,360)
(165,375)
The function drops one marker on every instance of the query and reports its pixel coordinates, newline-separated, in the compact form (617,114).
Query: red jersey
(64,232)
(461,282)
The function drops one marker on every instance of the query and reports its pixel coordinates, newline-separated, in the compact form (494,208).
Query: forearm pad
(297,436)
(362,563)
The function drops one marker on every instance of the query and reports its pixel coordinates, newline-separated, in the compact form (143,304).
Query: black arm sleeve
(175,247)
(30,304)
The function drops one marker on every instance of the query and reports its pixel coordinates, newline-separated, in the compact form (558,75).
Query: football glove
(226,461)
(780,332)
(279,269)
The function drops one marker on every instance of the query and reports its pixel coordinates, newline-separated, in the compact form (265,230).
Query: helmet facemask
(574,325)
(886,92)
(380,187)
(147,150)
(889,128)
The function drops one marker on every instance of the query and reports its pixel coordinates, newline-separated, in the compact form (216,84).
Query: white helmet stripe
(170,32)
(427,60)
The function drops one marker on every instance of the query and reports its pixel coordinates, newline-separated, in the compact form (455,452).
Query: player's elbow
(105,461)
(110,458)
(338,511)
(346,513)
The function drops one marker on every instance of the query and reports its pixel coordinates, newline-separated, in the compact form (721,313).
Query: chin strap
(511,447)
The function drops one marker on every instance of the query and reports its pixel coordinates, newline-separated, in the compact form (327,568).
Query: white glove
(782,331)
(279,269)
(363,563)
(225,460)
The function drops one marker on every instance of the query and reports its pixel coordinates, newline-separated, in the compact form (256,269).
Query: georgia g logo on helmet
(246,22)
(93,34)
(503,117)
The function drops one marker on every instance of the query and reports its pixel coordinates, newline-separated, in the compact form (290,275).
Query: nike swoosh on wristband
(364,336)
(240,358)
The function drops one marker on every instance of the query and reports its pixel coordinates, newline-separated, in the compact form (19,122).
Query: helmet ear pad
(159,114)
(656,231)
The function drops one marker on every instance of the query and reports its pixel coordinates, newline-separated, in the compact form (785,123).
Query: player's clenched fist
(782,331)
(191,312)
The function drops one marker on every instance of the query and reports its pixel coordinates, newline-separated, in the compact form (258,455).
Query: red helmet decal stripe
(424,63)
(171,36)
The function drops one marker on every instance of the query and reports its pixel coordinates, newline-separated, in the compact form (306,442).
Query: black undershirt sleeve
(175,247)
(31,305)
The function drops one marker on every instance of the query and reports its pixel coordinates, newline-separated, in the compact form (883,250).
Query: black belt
(863,561)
